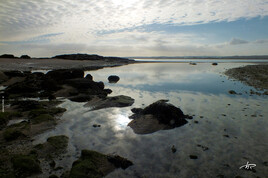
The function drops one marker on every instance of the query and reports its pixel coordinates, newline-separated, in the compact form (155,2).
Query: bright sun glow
(122,122)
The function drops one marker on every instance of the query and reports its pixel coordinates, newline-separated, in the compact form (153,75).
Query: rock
(232,92)
(95,164)
(116,101)
(3,77)
(214,64)
(26,165)
(173,149)
(157,116)
(81,98)
(54,146)
(136,110)
(14,74)
(119,162)
(113,79)
(192,63)
(25,57)
(166,113)
(193,157)
(83,83)
(64,74)
(7,56)
(88,76)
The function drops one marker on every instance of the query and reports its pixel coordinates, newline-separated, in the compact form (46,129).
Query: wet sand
(50,64)
(252,75)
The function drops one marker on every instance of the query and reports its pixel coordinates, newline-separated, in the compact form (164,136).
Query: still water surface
(232,127)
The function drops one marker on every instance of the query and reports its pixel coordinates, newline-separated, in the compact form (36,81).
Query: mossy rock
(25,165)
(6,116)
(51,111)
(43,118)
(58,142)
(12,134)
(88,165)
(93,164)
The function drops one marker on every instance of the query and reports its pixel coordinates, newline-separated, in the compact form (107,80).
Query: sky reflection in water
(233,127)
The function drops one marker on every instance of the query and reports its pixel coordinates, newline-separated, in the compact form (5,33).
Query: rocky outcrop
(58,83)
(157,116)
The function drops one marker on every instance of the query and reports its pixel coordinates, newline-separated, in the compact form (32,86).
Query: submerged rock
(107,102)
(157,116)
(95,164)
(113,79)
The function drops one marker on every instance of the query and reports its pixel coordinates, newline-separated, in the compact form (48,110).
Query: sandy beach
(51,64)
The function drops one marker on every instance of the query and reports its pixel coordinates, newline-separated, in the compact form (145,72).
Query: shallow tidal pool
(226,131)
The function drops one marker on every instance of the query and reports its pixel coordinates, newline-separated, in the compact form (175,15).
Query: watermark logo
(3,104)
(248,166)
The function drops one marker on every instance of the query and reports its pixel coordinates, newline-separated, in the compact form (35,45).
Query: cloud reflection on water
(219,115)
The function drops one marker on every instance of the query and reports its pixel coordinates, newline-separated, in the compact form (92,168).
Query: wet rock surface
(252,75)
(113,79)
(157,116)
(107,102)
(95,164)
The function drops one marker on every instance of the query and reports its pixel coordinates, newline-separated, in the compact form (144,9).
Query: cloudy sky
(43,28)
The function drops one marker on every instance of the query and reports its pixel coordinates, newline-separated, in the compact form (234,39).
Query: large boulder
(157,116)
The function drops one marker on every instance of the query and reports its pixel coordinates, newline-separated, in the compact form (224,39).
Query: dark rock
(27,105)
(136,110)
(157,116)
(14,74)
(214,64)
(25,57)
(83,83)
(88,76)
(113,79)
(115,101)
(50,85)
(26,165)
(166,113)
(232,92)
(173,149)
(95,164)
(96,125)
(193,157)
(64,74)
(204,148)
(119,162)
(192,63)
(108,91)
(81,98)
(7,56)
